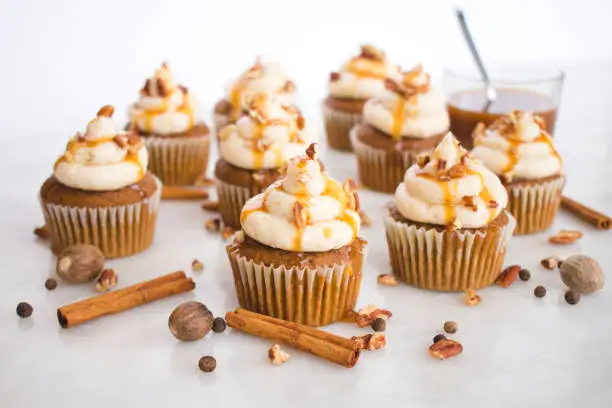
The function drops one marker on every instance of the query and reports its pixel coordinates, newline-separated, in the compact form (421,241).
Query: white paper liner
(315,297)
(338,125)
(444,260)
(178,160)
(535,206)
(118,231)
(231,200)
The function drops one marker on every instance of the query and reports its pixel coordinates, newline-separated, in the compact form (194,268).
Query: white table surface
(519,351)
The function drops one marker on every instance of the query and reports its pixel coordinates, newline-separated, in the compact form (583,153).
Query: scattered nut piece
(445,348)
(572,297)
(107,280)
(368,314)
(42,232)
(219,325)
(106,110)
(334,76)
(207,364)
(350,188)
(210,206)
(455,224)
(121,141)
(50,284)
(24,309)
(539,291)
(366,221)
(387,280)
(372,341)
(277,355)
(213,224)
(493,204)
(438,337)
(524,275)
(422,160)
(227,232)
(300,215)
(450,327)
(239,236)
(372,53)
(508,276)
(469,202)
(457,171)
(565,237)
(550,262)
(472,298)
(379,325)
(582,274)
(190,321)
(197,266)
(80,263)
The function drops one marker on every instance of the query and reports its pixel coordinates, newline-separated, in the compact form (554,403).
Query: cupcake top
(409,107)
(267,137)
(450,188)
(306,211)
(103,158)
(164,107)
(262,77)
(517,146)
(363,76)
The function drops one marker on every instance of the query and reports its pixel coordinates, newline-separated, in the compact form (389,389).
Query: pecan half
(300,215)
(372,341)
(399,89)
(387,280)
(508,276)
(565,237)
(445,348)
(472,298)
(368,314)
(106,110)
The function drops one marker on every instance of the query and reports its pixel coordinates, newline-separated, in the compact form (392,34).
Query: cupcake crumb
(472,298)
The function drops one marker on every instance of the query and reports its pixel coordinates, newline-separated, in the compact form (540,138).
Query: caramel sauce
(484,195)
(399,116)
(512,152)
(327,232)
(448,195)
(236,97)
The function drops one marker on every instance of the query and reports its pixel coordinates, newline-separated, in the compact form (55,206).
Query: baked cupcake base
(309,288)
(236,185)
(120,222)
(433,257)
(179,159)
(534,203)
(382,160)
(340,116)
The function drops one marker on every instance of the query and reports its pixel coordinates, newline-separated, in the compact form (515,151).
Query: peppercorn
(572,297)
(450,327)
(219,325)
(50,284)
(379,325)
(438,337)
(207,364)
(539,291)
(24,309)
(524,275)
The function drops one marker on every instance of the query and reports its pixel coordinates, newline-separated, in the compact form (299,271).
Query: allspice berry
(207,364)
(80,263)
(379,325)
(50,284)
(539,291)
(582,274)
(572,297)
(190,321)
(24,309)
(438,337)
(219,325)
(450,327)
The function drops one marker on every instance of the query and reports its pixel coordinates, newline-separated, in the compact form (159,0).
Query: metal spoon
(490,93)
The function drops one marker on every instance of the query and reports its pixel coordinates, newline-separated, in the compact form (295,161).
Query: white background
(61,61)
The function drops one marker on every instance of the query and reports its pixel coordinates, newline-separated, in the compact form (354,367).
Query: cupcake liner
(118,231)
(338,125)
(178,160)
(535,205)
(446,260)
(315,297)
(231,200)
(380,170)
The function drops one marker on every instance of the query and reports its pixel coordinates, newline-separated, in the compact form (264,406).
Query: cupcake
(177,142)
(406,120)
(447,228)
(359,79)
(262,77)
(518,149)
(101,193)
(253,152)
(299,257)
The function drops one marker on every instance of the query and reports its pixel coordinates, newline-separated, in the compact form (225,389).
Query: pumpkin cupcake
(177,142)
(359,79)
(262,77)
(299,257)
(407,120)
(101,193)
(447,228)
(517,148)
(253,152)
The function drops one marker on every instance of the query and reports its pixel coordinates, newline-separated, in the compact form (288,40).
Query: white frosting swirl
(163,108)
(363,76)
(304,212)
(262,77)
(517,146)
(266,138)
(412,110)
(451,188)
(102,159)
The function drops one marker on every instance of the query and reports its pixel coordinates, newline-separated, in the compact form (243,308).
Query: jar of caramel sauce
(523,88)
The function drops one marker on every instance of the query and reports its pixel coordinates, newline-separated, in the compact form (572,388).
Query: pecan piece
(300,121)
(387,279)
(197,266)
(372,53)
(445,348)
(213,224)
(457,171)
(469,202)
(300,215)
(372,341)
(472,298)
(42,232)
(441,164)
(350,188)
(334,76)
(312,151)
(107,280)
(550,262)
(368,314)
(121,141)
(422,160)
(277,355)
(366,221)
(508,276)
(565,237)
(493,204)
(106,110)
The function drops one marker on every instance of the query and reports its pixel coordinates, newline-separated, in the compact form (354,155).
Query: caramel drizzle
(512,151)
(149,114)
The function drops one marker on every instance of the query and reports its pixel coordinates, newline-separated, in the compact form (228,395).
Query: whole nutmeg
(190,321)
(582,274)
(80,263)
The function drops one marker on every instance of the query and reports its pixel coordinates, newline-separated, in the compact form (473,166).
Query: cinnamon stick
(587,214)
(184,193)
(124,299)
(329,346)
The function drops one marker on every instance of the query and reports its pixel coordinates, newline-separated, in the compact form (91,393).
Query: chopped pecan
(42,232)
(334,76)
(121,141)
(472,298)
(565,237)
(312,151)
(300,121)
(213,224)
(422,160)
(106,110)
(145,90)
(441,164)
(184,90)
(277,355)
(493,204)
(387,280)
(300,215)
(262,145)
(445,348)
(210,205)
(289,86)
(366,221)
(469,202)
(399,89)
(350,188)
(372,341)
(107,280)
(372,53)
(368,314)
(457,171)
(455,224)
(550,262)
(197,266)
(508,276)
(162,87)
